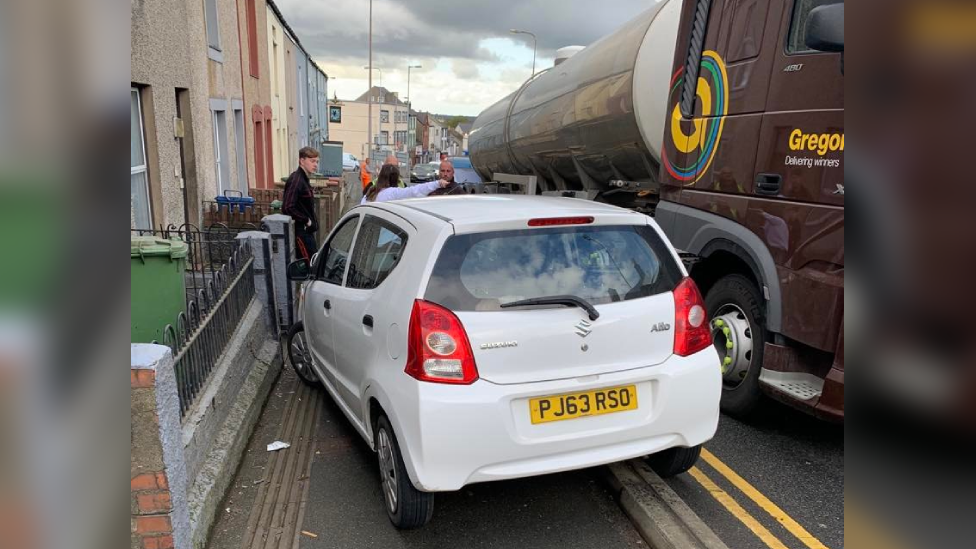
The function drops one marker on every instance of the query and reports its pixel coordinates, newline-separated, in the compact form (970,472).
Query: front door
(319,304)
(799,210)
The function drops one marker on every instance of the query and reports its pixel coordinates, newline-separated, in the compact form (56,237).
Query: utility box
(158,286)
(330,158)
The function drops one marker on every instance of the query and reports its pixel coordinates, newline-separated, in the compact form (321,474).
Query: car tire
(300,356)
(674,461)
(737,298)
(406,506)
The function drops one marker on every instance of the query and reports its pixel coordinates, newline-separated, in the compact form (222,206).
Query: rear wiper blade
(557,300)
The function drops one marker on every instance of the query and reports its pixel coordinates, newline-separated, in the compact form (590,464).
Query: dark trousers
(305,245)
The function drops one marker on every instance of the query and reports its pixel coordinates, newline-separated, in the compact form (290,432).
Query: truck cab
(752,188)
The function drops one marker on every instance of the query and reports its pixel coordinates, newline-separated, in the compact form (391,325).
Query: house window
(141,210)
(222,164)
(239,138)
(384,116)
(213,31)
(384,138)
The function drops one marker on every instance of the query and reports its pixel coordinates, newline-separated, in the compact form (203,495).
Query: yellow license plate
(586,403)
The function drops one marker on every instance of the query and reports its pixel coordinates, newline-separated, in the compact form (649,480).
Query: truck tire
(674,461)
(299,354)
(406,506)
(736,312)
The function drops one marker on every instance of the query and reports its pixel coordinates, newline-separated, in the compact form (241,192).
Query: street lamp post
(409,103)
(369,98)
(517,31)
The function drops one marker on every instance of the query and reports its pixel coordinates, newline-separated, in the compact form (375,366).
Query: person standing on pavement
(386,188)
(364,175)
(299,203)
(447,174)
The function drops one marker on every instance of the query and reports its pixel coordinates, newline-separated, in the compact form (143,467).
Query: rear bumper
(461,435)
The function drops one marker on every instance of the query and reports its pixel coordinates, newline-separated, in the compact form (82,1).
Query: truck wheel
(299,354)
(735,308)
(406,506)
(674,461)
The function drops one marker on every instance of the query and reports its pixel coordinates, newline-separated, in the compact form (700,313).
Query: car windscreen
(601,264)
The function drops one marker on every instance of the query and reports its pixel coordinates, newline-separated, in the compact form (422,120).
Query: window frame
(793,20)
(321,259)
(221,105)
(356,255)
(240,145)
(384,116)
(213,52)
(144,167)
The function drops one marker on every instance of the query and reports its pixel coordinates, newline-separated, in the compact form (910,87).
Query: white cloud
(470,60)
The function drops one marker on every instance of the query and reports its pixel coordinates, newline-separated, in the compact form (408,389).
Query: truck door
(714,143)
(798,197)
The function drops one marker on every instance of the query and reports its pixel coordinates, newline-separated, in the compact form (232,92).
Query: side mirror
(825,28)
(299,270)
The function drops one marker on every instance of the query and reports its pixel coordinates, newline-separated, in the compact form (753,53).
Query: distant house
(349,122)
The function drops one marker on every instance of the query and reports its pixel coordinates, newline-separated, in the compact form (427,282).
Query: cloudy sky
(469,58)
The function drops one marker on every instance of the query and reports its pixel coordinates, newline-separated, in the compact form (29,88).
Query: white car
(350,163)
(482,337)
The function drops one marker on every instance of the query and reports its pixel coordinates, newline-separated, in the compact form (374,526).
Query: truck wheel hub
(732,337)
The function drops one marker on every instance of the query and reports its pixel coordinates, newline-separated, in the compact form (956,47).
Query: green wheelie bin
(158,285)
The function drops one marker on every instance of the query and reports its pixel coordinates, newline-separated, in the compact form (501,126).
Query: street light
(409,103)
(369,96)
(369,99)
(516,31)
(377,69)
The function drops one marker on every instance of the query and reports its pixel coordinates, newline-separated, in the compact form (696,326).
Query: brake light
(438,349)
(691,330)
(553,221)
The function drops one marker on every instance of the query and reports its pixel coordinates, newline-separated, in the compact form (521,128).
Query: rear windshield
(479,272)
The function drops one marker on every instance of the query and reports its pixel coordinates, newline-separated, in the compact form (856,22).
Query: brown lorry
(736,147)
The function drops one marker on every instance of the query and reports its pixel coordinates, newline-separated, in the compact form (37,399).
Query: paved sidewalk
(265,506)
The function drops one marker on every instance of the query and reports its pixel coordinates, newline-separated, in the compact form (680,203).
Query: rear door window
(479,272)
(379,247)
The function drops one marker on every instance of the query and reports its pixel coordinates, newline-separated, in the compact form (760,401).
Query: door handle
(328,305)
(368,321)
(768,183)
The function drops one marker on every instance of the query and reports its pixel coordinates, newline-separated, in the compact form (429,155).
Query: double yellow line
(744,516)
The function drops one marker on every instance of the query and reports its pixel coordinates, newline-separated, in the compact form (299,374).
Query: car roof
(477,209)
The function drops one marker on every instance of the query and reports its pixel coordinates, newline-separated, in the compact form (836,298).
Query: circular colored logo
(706,128)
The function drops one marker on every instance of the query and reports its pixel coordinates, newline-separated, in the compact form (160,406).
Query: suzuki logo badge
(583,328)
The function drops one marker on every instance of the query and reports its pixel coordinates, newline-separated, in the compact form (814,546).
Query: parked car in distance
(484,338)
(349,163)
(423,172)
(463,171)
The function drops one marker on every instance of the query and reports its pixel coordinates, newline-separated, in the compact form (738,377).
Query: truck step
(798,385)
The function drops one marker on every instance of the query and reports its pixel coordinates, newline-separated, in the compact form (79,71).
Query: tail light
(438,349)
(691,330)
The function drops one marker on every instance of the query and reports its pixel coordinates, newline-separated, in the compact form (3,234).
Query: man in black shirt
(447,174)
(299,203)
